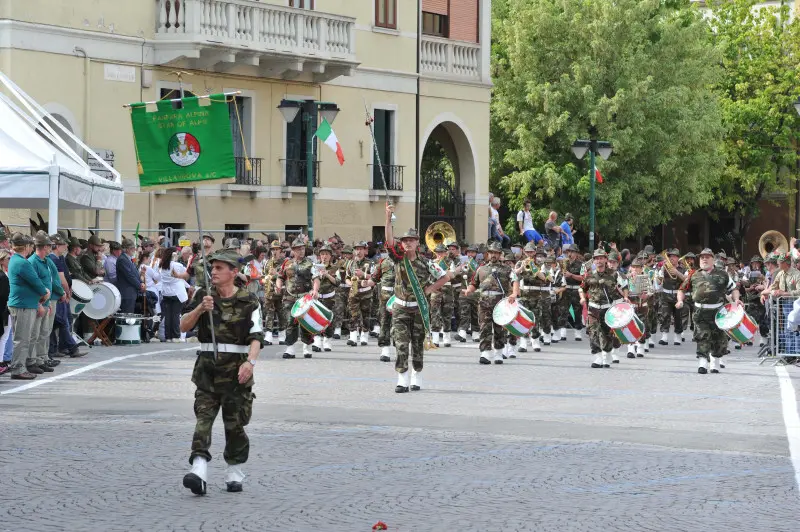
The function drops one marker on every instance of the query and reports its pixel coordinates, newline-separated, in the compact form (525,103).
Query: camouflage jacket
(402,284)
(325,284)
(76,270)
(709,288)
(91,267)
(494,277)
(296,276)
(667,282)
(237,320)
(602,288)
(574,267)
(384,273)
(273,264)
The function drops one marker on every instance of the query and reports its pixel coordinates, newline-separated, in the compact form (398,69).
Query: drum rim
(731,310)
(505,304)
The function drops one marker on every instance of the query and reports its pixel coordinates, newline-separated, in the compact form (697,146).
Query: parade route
(542,442)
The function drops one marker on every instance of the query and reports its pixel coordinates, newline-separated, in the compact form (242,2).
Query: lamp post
(289,110)
(593,146)
(797,193)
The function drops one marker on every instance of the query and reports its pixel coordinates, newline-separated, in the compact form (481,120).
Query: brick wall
(435,6)
(464,20)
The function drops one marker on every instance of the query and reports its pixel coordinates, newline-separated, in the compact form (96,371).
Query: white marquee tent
(39,169)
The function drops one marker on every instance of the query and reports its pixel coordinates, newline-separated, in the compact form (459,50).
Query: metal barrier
(783,344)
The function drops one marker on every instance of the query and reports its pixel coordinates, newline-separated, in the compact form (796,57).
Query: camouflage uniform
(571,299)
(442,302)
(467,306)
(600,289)
(667,313)
(237,321)
(327,290)
(341,312)
(384,277)
(533,292)
(272,301)
(652,310)
(494,280)
(297,282)
(360,304)
(753,305)
(408,330)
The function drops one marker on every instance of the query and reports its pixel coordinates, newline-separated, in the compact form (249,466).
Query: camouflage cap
(298,243)
(756,258)
(360,244)
(509,256)
(784,257)
(227,256)
(615,256)
(113,245)
(472,247)
(494,247)
(674,251)
(411,233)
(706,251)
(42,239)
(530,246)
(233,243)
(440,248)
(74,243)
(326,248)
(649,249)
(722,254)
(690,255)
(571,247)
(146,242)
(347,250)
(276,244)
(94,240)
(18,239)
(550,259)
(452,244)
(209,236)
(58,239)
(730,260)
(771,258)
(541,252)
(637,262)
(127,244)
(599,253)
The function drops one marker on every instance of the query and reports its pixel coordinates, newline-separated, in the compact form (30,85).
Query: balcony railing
(451,58)
(391,172)
(296,173)
(245,176)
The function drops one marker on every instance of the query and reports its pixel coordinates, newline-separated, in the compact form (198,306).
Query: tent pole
(52,200)
(117,226)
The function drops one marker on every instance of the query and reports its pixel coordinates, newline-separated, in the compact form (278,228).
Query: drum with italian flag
(390,303)
(624,323)
(736,323)
(311,315)
(513,317)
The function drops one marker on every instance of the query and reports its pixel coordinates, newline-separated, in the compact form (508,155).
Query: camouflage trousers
(710,339)
(360,308)
(491,333)
(652,313)
(273,306)
(600,336)
(218,387)
(384,319)
(571,299)
(293,329)
(374,311)
(542,312)
(328,304)
(340,310)
(667,313)
(442,307)
(686,313)
(408,335)
(468,313)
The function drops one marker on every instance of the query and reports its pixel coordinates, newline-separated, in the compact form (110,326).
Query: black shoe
(485,360)
(373,334)
(36,370)
(45,368)
(316,349)
(615,361)
(663,342)
(676,343)
(401,389)
(606,365)
(351,343)
(384,358)
(234,487)
(499,361)
(25,376)
(631,355)
(639,355)
(194,483)
(595,366)
(307,355)
(337,336)
(579,339)
(461,339)
(267,343)
(721,365)
(522,350)
(52,363)
(364,343)
(512,356)
(702,371)
(714,371)
(505,357)
(415,388)
(287,355)
(737,346)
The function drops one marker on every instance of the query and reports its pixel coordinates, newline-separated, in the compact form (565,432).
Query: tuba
(439,233)
(772,242)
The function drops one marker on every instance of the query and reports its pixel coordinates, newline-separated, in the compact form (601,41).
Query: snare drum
(105,302)
(624,323)
(736,323)
(513,317)
(81,296)
(390,303)
(311,315)
(128,329)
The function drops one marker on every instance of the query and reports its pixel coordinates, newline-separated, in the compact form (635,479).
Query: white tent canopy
(39,170)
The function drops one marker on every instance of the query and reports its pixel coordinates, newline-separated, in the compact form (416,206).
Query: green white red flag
(325,134)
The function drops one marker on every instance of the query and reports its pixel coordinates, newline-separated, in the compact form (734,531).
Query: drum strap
(419,294)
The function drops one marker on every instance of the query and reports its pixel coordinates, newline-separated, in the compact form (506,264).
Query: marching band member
(413,281)
(384,275)
(670,277)
(360,297)
(709,287)
(690,262)
(468,305)
(295,276)
(622,281)
(650,268)
(752,286)
(272,300)
(599,289)
(455,259)
(526,271)
(495,280)
(325,272)
(341,311)
(442,302)
(637,293)
(510,349)
(571,299)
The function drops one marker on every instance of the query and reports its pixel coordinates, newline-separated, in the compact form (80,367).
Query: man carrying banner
(410,318)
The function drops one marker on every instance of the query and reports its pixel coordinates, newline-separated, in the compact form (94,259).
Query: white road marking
(84,369)
(790,418)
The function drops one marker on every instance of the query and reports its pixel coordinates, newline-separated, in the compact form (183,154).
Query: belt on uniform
(367,289)
(327,296)
(573,286)
(665,291)
(344,286)
(491,293)
(398,301)
(225,348)
(446,284)
(387,288)
(708,305)
(598,306)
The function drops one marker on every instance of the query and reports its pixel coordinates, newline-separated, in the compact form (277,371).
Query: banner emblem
(184,149)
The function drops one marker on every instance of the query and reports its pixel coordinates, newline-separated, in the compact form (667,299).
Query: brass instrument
(668,267)
(439,233)
(772,242)
(682,261)
(354,282)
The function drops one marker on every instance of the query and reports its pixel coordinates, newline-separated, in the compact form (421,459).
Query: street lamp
(328,110)
(603,149)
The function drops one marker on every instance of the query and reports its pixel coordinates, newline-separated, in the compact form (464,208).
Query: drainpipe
(416,144)
(87,98)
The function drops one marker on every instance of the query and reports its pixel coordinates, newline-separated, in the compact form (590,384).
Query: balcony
(271,40)
(250,177)
(448,58)
(296,173)
(391,172)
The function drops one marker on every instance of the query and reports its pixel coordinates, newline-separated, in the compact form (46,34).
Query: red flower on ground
(380,525)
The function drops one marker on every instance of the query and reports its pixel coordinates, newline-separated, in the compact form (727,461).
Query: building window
(384,140)
(172,231)
(171,94)
(693,235)
(386,13)
(378,233)
(302,4)
(293,231)
(236,231)
(435,24)
(296,151)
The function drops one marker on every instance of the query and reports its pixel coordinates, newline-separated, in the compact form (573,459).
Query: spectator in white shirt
(173,293)
(525,222)
(495,228)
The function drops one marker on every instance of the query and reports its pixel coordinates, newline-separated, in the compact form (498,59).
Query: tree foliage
(640,73)
(760,81)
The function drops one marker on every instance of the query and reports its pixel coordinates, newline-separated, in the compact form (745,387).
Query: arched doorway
(447,170)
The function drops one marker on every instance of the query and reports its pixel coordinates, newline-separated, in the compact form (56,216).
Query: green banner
(179,146)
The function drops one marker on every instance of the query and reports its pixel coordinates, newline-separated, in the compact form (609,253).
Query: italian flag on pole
(325,134)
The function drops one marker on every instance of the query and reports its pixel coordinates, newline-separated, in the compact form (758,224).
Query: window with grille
(386,13)
(435,24)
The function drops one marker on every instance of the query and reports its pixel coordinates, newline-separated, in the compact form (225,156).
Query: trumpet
(668,267)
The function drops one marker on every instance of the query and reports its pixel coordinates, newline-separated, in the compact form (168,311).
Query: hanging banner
(176,147)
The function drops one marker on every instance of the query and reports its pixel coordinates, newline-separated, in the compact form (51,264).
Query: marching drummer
(325,274)
(637,285)
(296,277)
(709,287)
(600,288)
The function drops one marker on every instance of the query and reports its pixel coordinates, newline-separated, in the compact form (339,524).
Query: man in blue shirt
(43,326)
(25,304)
(61,341)
(566,230)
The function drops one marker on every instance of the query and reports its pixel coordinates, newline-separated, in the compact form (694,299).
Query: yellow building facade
(82,60)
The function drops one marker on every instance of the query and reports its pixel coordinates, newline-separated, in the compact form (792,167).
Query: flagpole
(369,124)
(234,93)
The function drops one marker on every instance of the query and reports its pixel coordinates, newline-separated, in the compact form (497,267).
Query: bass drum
(106,301)
(82,294)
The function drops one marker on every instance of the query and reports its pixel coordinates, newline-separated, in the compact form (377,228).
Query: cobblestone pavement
(540,443)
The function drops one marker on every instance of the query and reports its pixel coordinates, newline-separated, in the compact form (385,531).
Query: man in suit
(128,282)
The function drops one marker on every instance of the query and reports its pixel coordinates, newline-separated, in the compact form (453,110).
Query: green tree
(639,72)
(760,81)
